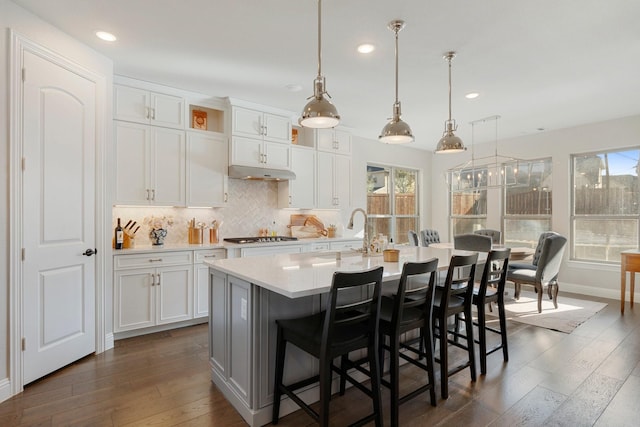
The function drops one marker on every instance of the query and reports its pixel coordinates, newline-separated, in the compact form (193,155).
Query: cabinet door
(299,192)
(342,141)
(342,180)
(276,155)
(134,299)
(246,122)
(325,194)
(239,338)
(167,110)
(207,165)
(201,290)
(174,294)
(218,322)
(131,104)
(132,163)
(277,128)
(168,167)
(334,141)
(246,152)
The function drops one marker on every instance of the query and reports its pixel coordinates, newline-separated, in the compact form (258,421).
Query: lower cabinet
(201,280)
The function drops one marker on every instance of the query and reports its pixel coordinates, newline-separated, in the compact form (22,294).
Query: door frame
(18,45)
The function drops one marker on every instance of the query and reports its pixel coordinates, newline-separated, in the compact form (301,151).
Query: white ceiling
(543,64)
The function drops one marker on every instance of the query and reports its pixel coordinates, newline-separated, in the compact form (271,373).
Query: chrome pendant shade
(396,131)
(450,143)
(319,111)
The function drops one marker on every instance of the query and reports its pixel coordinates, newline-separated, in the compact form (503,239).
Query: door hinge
(24,344)
(24,251)
(24,74)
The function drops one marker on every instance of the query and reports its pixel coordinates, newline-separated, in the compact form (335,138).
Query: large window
(527,202)
(468,203)
(605,203)
(392,201)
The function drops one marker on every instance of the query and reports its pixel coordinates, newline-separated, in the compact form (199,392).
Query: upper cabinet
(143,106)
(206,170)
(261,125)
(333,141)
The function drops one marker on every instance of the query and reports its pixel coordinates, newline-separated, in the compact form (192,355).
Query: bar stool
(454,297)
(411,308)
(344,326)
(491,289)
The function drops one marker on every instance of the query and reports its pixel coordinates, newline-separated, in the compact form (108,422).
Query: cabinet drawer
(318,247)
(160,259)
(209,255)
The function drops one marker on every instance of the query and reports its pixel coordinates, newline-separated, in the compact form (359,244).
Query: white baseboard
(108,341)
(5,389)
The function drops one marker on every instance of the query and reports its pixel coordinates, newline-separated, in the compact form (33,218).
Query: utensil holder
(213,235)
(195,236)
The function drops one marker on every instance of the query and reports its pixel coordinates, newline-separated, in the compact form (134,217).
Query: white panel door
(326,199)
(174,290)
(342,180)
(277,128)
(59,213)
(207,165)
(277,155)
(132,163)
(168,168)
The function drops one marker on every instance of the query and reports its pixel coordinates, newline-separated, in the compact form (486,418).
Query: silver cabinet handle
(148,195)
(146,112)
(158,279)
(226,197)
(153,113)
(210,256)
(153,194)
(153,279)
(155,259)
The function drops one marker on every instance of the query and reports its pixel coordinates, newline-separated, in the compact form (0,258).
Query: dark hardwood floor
(589,377)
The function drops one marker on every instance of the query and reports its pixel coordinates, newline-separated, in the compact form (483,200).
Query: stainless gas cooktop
(241,240)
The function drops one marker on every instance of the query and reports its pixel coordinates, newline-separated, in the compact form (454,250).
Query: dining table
(518,253)
(246,297)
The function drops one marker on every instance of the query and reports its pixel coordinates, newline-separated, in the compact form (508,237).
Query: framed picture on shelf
(199,119)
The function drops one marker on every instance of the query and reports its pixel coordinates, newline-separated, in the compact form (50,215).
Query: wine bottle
(119,236)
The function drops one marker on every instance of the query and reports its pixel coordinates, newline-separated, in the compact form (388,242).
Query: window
(468,192)
(605,201)
(392,201)
(527,202)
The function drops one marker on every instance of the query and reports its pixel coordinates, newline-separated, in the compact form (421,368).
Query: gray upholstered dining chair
(496,235)
(429,236)
(546,273)
(413,238)
(536,255)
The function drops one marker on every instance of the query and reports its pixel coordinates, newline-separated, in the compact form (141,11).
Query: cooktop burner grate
(269,239)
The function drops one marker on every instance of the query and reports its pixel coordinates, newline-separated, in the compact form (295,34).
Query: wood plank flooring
(590,377)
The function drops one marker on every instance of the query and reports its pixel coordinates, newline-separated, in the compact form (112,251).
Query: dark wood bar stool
(411,308)
(451,299)
(344,326)
(491,289)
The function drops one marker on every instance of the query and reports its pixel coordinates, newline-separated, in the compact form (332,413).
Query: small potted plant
(158,228)
(331,230)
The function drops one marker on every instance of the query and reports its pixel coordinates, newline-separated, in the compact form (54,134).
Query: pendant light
(396,131)
(319,111)
(449,143)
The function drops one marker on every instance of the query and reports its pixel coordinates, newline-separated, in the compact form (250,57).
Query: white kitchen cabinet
(158,294)
(150,165)
(346,244)
(334,181)
(300,192)
(333,141)
(261,125)
(143,106)
(260,153)
(201,279)
(207,166)
(271,250)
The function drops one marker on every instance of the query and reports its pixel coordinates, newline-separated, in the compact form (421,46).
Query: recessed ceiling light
(108,37)
(366,48)
(472,95)
(293,88)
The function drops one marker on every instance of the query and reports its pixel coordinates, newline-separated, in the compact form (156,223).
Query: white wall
(14,18)
(580,277)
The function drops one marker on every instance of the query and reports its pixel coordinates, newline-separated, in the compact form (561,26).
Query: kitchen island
(247,295)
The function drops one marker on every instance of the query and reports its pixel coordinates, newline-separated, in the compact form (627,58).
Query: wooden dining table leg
(623,285)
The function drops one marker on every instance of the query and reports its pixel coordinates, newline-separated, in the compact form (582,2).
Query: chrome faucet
(365,238)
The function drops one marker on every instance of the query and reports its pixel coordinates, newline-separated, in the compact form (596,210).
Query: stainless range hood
(261,174)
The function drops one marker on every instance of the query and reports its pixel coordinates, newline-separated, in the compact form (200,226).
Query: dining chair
(413,238)
(546,273)
(473,242)
(491,289)
(429,236)
(536,255)
(410,309)
(496,235)
(348,324)
(455,297)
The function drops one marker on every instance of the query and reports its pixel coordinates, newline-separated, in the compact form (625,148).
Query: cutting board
(307,221)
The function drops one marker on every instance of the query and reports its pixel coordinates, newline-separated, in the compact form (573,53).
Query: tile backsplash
(252,205)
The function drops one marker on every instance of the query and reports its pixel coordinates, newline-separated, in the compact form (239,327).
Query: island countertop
(304,274)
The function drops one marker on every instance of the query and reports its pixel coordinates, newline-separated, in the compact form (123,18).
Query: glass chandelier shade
(450,143)
(319,111)
(396,131)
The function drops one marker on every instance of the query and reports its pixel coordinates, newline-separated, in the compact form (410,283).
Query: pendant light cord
(449,58)
(319,38)
(396,30)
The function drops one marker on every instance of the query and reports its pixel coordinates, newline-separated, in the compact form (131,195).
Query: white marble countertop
(225,245)
(298,275)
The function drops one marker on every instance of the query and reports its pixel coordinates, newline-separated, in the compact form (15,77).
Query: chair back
(415,291)
(472,242)
(351,322)
(413,238)
(541,239)
(429,236)
(550,258)
(494,273)
(496,235)
(459,281)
